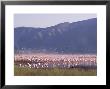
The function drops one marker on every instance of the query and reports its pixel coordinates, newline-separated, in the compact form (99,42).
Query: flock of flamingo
(55,60)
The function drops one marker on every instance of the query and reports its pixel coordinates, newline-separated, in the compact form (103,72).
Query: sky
(46,20)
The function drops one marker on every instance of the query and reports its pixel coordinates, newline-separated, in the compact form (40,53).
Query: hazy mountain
(76,37)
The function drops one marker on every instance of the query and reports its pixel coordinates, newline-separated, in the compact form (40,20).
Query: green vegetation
(53,72)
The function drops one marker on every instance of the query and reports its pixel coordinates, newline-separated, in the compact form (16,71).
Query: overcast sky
(46,20)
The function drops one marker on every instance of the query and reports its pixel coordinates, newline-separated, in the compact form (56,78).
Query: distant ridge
(76,37)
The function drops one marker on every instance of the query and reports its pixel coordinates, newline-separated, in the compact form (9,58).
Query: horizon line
(55,24)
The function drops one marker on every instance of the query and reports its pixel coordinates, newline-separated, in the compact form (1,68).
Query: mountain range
(76,37)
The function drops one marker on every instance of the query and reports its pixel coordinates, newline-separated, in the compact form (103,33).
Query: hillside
(76,37)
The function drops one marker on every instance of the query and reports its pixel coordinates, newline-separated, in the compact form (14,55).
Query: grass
(53,72)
